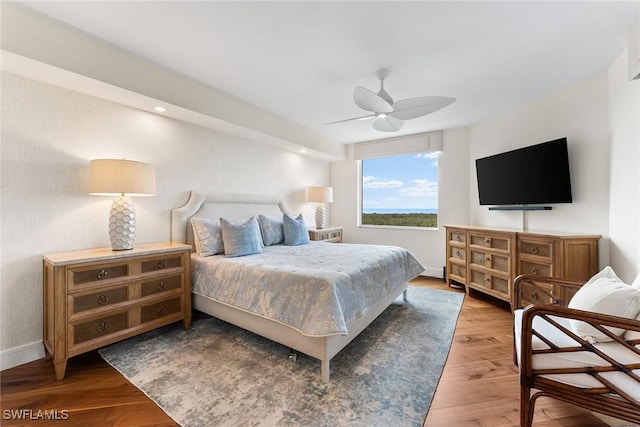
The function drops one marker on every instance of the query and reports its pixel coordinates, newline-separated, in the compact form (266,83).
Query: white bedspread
(317,288)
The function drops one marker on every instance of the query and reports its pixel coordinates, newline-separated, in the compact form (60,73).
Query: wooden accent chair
(555,362)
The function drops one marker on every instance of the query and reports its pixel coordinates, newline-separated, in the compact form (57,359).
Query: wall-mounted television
(538,174)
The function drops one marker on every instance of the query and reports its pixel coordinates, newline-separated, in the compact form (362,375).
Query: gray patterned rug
(219,375)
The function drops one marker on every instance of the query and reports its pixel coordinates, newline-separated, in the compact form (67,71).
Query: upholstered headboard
(214,205)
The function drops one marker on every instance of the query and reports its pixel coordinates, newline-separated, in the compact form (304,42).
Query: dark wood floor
(479,385)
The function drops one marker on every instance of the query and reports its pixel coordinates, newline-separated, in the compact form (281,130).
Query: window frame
(360,191)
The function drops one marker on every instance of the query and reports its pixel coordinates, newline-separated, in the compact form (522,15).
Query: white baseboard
(432,272)
(22,354)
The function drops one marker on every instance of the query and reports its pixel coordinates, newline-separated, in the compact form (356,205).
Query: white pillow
(604,293)
(634,335)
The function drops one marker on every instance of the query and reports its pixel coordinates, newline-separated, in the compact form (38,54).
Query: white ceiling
(302,60)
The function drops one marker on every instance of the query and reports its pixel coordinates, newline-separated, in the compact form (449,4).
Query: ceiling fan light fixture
(390,115)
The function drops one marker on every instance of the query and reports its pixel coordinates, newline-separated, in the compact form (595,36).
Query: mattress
(317,288)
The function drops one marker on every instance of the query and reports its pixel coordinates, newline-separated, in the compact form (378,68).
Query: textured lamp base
(122,224)
(321,216)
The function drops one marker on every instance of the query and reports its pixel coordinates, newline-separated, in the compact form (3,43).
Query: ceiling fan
(390,115)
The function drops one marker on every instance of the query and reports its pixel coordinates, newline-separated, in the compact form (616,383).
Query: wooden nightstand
(96,297)
(329,234)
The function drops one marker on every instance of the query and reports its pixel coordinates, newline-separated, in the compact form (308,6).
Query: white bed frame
(230,205)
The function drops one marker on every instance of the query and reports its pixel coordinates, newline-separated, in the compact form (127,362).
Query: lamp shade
(113,177)
(320,194)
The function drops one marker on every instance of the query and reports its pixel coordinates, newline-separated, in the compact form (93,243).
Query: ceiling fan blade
(370,101)
(411,108)
(370,116)
(388,124)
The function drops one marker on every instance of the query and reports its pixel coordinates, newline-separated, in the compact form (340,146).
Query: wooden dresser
(488,259)
(96,297)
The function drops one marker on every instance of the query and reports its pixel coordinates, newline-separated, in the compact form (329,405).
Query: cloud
(429,156)
(432,155)
(420,188)
(375,182)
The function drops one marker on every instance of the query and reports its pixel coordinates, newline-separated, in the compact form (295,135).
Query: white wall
(427,245)
(579,112)
(624,188)
(50,134)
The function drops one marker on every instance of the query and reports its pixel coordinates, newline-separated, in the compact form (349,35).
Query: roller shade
(420,143)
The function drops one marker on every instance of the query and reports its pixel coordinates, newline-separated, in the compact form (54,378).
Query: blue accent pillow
(241,239)
(295,230)
(207,236)
(271,228)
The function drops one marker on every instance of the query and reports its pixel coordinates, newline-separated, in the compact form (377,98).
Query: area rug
(219,375)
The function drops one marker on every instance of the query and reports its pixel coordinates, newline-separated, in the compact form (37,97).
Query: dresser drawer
(100,274)
(542,251)
(492,261)
(492,242)
(80,303)
(531,295)
(162,263)
(457,236)
(160,285)
(161,309)
(459,271)
(99,328)
(457,253)
(491,282)
(537,269)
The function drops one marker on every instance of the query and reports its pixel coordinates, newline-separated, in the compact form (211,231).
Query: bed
(314,298)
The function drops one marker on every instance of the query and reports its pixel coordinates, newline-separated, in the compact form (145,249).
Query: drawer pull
(534,296)
(161,264)
(487,279)
(103,299)
(102,274)
(161,310)
(102,327)
(458,253)
(458,271)
(534,270)
(458,238)
(162,286)
(534,250)
(487,241)
(487,259)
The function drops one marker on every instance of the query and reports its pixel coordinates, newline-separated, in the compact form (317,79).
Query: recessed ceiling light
(160,109)
(303,151)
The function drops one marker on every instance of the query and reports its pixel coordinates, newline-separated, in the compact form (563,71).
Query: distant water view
(401,211)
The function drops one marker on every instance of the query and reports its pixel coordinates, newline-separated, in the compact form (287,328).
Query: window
(400,190)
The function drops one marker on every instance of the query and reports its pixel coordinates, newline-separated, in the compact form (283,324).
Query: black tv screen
(531,175)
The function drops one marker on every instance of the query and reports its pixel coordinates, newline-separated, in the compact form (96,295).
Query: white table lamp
(321,195)
(121,178)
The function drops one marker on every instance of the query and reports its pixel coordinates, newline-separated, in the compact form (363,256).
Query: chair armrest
(594,319)
(529,289)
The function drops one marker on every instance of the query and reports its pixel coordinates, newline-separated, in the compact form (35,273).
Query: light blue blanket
(317,288)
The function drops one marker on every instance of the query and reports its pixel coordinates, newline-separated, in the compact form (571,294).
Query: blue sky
(400,182)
